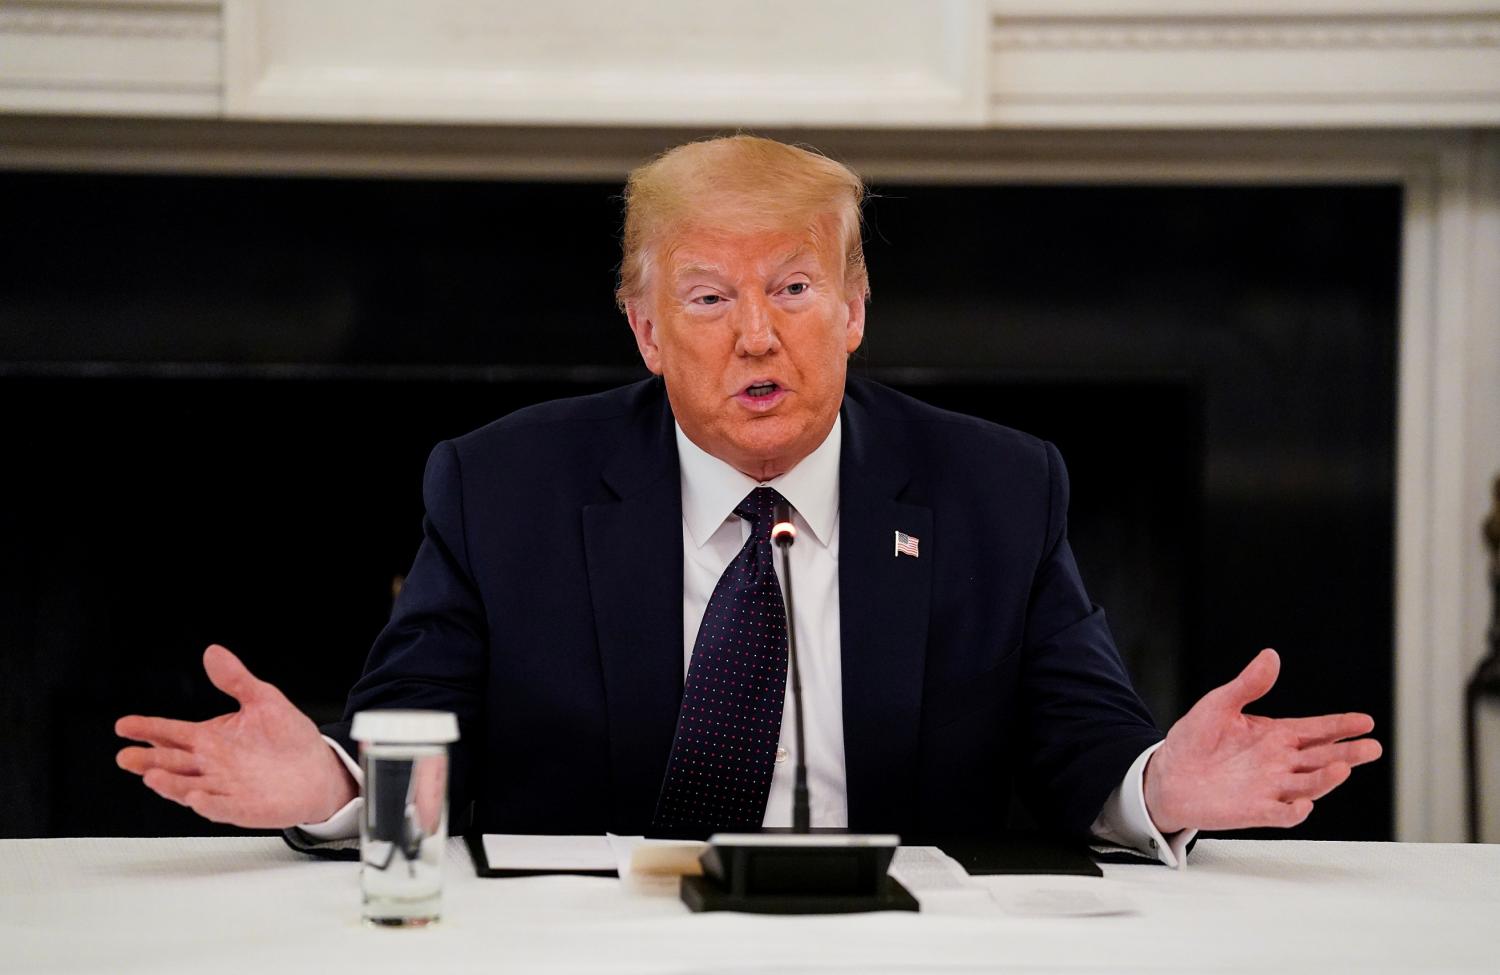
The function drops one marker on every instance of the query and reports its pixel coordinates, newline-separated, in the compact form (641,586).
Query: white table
(251,905)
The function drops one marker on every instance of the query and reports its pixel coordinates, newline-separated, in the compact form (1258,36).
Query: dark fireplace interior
(220,392)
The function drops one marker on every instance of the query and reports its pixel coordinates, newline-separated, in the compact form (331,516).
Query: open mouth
(761,390)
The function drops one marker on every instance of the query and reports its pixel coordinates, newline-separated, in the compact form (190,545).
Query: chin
(768,446)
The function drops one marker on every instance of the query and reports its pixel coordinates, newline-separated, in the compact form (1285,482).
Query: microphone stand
(800,872)
(783,533)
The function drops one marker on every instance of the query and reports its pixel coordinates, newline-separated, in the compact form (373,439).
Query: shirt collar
(711,488)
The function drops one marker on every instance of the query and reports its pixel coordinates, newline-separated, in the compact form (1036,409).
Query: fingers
(142,760)
(209,804)
(191,792)
(229,675)
(217,806)
(1314,785)
(1349,753)
(158,731)
(1326,728)
(175,787)
(1284,814)
(1253,682)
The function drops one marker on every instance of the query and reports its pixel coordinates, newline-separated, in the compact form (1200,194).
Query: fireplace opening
(222,391)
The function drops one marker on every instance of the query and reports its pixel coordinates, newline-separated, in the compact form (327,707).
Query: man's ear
(854,328)
(644,330)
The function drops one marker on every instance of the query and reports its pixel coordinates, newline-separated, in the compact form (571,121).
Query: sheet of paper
(939,883)
(942,886)
(928,870)
(1037,896)
(514,851)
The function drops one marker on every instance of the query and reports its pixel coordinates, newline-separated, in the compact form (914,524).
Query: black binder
(1014,852)
(475,843)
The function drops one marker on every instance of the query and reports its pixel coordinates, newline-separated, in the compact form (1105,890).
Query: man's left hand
(1223,769)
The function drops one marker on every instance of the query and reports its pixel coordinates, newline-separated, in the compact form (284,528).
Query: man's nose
(757,329)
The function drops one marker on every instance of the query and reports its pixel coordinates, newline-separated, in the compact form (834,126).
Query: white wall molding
(182,19)
(608,153)
(1292,33)
(114,57)
(1215,64)
(1007,64)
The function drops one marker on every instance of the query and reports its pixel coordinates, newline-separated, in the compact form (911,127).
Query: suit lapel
(883,607)
(634,551)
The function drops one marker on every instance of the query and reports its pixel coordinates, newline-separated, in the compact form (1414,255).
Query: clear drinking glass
(403,828)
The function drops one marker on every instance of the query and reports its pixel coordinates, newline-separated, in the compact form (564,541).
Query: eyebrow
(794,255)
(689,270)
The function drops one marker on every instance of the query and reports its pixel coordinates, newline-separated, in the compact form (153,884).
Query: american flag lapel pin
(906,545)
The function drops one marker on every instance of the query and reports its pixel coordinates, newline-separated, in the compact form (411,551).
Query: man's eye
(797,287)
(708,299)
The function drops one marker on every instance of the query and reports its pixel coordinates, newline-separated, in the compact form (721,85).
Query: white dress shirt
(711,537)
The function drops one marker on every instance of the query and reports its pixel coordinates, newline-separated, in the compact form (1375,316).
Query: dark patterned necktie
(725,750)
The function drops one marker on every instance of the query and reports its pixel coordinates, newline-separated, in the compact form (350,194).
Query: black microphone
(783,533)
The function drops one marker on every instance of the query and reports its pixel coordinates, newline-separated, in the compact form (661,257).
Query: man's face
(752,333)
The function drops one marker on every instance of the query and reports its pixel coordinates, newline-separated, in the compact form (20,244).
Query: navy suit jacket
(545,608)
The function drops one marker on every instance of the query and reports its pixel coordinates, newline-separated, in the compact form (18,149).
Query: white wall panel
(846,62)
(1144,64)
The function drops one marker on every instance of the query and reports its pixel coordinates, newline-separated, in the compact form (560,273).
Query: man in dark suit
(595,599)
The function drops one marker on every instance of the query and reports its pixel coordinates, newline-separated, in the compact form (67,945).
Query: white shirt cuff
(1124,821)
(344,824)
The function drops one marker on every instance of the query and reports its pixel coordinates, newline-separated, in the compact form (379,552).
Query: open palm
(1220,768)
(263,766)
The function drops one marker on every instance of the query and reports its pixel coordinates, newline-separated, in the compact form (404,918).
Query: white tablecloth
(251,905)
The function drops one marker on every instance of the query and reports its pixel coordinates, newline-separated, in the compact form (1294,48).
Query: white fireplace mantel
(1167,91)
(924,63)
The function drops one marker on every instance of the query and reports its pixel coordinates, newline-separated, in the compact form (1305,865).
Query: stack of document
(939,882)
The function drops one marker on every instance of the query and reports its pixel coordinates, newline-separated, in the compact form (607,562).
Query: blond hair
(740,182)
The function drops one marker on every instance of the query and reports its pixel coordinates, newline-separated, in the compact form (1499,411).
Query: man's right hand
(264,767)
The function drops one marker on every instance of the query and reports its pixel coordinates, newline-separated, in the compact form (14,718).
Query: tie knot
(757,509)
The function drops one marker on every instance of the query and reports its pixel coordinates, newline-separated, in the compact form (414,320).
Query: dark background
(219,392)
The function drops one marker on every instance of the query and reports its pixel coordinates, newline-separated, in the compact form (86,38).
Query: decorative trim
(190,22)
(984,156)
(1413,32)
